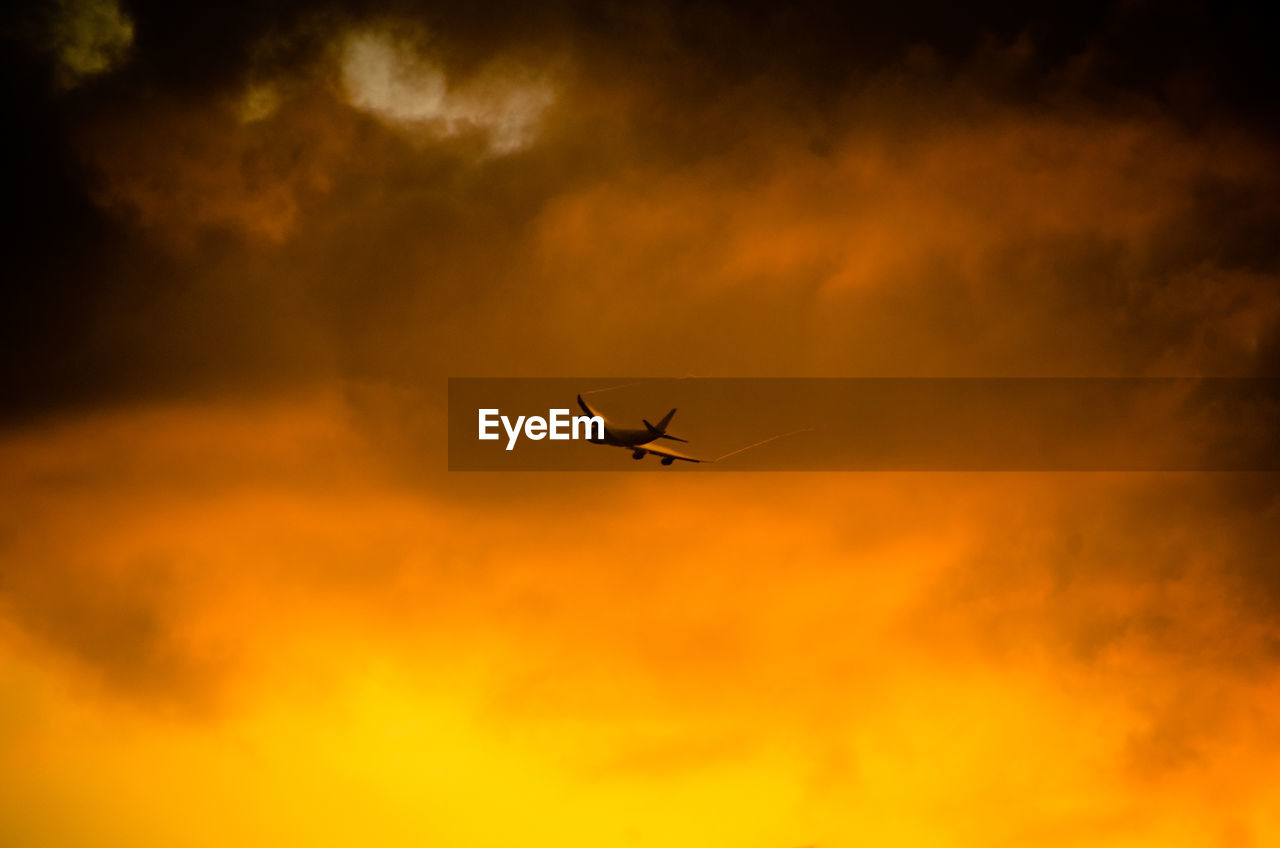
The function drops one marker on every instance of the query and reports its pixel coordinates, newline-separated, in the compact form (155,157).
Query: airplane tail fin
(661,429)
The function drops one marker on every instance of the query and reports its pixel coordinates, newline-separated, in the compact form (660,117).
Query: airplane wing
(668,452)
(583,404)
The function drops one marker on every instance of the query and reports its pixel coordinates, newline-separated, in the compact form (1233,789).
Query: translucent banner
(864,424)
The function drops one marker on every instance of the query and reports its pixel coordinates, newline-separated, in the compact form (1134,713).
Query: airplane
(641,442)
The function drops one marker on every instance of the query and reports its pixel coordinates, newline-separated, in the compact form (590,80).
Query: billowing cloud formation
(385,75)
(180,171)
(265,575)
(250,162)
(244,263)
(89,37)
(259,102)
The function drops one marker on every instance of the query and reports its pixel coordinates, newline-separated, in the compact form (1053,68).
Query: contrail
(638,382)
(619,386)
(763,442)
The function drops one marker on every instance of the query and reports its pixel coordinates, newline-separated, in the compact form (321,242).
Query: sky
(243,601)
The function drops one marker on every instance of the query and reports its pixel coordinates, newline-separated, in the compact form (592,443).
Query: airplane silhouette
(641,442)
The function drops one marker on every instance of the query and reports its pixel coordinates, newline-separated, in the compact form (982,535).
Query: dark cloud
(146,204)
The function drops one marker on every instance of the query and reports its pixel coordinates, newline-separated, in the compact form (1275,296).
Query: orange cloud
(893,655)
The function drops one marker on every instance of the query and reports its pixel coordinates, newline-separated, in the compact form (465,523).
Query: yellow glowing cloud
(90,37)
(613,662)
(257,103)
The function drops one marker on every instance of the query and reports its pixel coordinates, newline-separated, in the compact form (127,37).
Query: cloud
(223,498)
(385,75)
(269,573)
(919,222)
(90,37)
(186,169)
(258,102)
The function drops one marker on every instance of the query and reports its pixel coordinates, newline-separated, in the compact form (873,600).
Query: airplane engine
(667,460)
(638,455)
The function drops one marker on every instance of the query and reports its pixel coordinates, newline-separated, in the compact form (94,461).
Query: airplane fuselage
(624,438)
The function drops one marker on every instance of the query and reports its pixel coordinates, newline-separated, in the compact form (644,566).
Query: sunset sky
(244,602)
